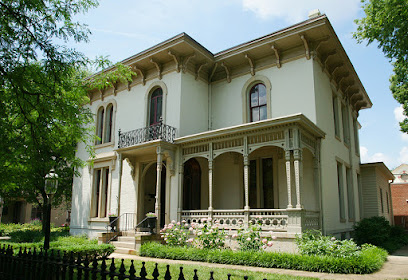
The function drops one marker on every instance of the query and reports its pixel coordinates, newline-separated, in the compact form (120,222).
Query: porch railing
(311,220)
(271,219)
(153,132)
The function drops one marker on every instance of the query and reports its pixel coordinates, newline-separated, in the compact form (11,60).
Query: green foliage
(249,239)
(371,258)
(208,235)
(377,231)
(76,244)
(175,234)
(374,230)
(386,23)
(314,243)
(26,233)
(110,77)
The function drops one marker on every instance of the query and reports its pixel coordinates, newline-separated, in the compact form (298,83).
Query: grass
(203,271)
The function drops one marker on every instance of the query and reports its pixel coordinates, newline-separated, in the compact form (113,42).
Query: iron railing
(124,222)
(33,264)
(153,132)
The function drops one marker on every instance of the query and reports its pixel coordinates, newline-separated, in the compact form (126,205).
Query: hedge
(370,260)
(76,244)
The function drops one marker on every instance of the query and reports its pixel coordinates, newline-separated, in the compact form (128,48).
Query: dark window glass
(258,102)
(156,101)
(99,128)
(109,122)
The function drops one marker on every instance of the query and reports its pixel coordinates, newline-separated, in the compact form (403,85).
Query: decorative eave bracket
(277,56)
(227,71)
(251,64)
(142,74)
(158,67)
(213,72)
(197,73)
(176,60)
(186,60)
(307,51)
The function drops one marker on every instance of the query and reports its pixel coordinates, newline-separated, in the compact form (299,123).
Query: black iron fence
(55,265)
(157,131)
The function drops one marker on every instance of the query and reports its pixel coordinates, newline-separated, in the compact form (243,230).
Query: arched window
(258,103)
(104,123)
(108,123)
(156,101)
(99,125)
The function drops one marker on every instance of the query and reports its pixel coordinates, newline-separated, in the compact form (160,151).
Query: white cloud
(403,155)
(398,113)
(297,10)
(366,157)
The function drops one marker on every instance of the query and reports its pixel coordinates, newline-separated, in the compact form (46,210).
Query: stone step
(130,239)
(119,244)
(125,251)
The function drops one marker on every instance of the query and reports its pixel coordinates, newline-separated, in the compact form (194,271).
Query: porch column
(288,178)
(297,155)
(158,188)
(246,187)
(210,187)
(180,190)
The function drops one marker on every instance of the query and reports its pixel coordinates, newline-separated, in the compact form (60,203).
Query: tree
(41,96)
(386,23)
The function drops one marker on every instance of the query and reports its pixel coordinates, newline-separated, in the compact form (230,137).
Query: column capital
(287,154)
(297,154)
(246,160)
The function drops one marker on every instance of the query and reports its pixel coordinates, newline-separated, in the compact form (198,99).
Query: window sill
(104,145)
(337,137)
(347,145)
(98,220)
(342,220)
(352,220)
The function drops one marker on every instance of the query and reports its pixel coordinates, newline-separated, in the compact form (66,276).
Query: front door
(261,190)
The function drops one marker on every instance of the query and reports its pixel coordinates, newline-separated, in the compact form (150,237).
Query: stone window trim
(153,86)
(104,142)
(251,82)
(105,161)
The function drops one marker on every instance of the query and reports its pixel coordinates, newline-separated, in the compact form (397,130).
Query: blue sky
(122,28)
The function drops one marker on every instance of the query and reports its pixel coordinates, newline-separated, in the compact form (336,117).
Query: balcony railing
(158,131)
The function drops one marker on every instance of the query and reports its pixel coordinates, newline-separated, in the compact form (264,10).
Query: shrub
(377,231)
(249,239)
(175,234)
(370,259)
(208,235)
(314,243)
(374,230)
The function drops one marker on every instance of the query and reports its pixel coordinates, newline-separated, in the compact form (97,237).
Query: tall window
(104,124)
(356,141)
(156,103)
(382,201)
(100,193)
(261,183)
(345,120)
(258,107)
(350,195)
(108,123)
(99,125)
(340,185)
(336,116)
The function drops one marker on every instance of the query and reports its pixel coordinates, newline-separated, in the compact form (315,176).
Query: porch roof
(286,121)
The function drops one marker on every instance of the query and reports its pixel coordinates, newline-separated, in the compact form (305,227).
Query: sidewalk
(396,267)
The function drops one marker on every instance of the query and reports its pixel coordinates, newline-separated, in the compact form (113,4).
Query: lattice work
(195,149)
(267,137)
(228,144)
(312,220)
(308,141)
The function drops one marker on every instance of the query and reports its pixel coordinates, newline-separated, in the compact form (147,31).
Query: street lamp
(50,188)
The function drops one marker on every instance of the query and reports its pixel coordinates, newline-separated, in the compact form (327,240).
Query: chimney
(314,13)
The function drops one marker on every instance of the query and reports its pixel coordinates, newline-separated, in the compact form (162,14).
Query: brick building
(399,192)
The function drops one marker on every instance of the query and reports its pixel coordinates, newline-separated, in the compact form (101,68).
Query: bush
(75,244)
(314,243)
(377,231)
(374,230)
(249,239)
(208,235)
(369,260)
(175,234)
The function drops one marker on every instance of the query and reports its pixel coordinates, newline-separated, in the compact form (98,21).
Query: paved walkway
(396,267)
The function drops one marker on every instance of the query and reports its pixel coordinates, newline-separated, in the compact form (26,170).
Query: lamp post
(50,188)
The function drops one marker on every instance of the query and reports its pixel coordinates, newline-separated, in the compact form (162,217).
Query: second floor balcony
(153,132)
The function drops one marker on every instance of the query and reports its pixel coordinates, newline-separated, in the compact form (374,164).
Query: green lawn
(203,272)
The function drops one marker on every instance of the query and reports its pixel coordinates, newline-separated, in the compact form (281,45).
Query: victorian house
(265,130)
